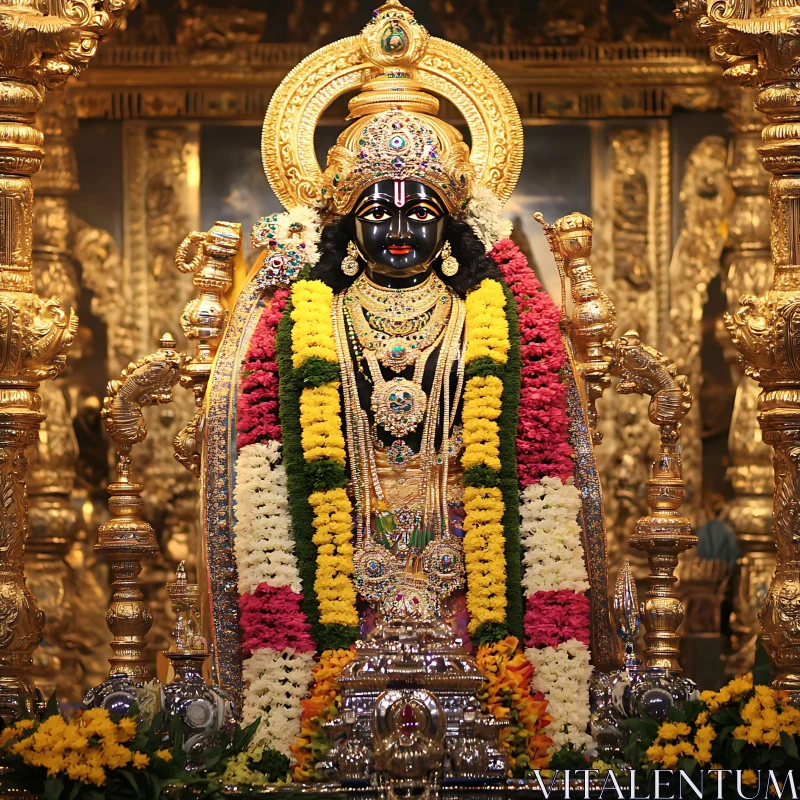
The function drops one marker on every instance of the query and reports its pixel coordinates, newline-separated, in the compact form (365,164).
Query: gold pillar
(38,52)
(51,474)
(747,270)
(758,45)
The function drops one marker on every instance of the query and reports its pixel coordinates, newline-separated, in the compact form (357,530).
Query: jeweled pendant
(398,406)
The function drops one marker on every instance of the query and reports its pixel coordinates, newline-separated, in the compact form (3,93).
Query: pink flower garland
(555,617)
(257,406)
(271,617)
(543,447)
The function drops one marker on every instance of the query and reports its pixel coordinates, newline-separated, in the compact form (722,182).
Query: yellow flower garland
(322,436)
(333,534)
(482,405)
(487,326)
(484,540)
(312,332)
(320,423)
(484,551)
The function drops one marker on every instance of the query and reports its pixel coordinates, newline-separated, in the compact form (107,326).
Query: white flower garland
(276,682)
(553,559)
(562,674)
(551,538)
(262,530)
(485,217)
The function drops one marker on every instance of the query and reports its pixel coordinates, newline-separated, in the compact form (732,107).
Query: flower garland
(314,456)
(487,348)
(322,706)
(278,648)
(322,439)
(262,532)
(556,621)
(257,404)
(507,695)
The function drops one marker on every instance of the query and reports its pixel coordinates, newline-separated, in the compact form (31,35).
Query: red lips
(400,250)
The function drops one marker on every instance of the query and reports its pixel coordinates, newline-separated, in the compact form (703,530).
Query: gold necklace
(394,349)
(398,303)
(430,512)
(399,405)
(394,328)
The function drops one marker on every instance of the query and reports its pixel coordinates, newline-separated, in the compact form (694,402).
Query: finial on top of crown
(394,41)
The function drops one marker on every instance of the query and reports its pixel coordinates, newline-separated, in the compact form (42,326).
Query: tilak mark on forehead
(399,193)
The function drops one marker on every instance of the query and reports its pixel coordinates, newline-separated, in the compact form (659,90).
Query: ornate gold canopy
(397,51)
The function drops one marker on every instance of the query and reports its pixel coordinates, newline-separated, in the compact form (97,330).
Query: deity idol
(393,409)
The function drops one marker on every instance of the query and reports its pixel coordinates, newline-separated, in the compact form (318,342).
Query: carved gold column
(51,474)
(759,45)
(747,269)
(38,52)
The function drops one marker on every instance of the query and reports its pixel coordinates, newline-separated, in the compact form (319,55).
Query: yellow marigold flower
(704,736)
(709,697)
(738,687)
(96,776)
(91,714)
(702,756)
(702,718)
(755,735)
(140,760)
(668,731)
(740,732)
(115,755)
(24,725)
(670,758)
(685,749)
(126,729)
(164,755)
(771,738)
(749,777)
(655,753)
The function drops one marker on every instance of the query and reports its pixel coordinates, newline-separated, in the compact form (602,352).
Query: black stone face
(399,231)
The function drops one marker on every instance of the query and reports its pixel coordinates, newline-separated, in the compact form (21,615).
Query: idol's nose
(399,232)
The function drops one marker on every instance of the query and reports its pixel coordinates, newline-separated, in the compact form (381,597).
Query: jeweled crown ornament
(397,66)
(205,712)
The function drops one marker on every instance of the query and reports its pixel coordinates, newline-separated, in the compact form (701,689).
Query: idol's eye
(374,214)
(422,214)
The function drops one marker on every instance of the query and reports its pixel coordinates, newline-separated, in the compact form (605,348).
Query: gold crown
(397,133)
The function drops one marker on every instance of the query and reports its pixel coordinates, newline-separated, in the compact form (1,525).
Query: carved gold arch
(287,141)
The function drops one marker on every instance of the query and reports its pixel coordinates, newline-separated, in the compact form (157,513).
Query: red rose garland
(257,407)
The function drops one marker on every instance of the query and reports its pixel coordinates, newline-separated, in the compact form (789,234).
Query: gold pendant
(399,405)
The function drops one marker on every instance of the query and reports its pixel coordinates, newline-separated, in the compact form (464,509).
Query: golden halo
(450,71)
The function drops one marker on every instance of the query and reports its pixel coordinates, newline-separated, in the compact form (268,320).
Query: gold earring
(350,263)
(449,263)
